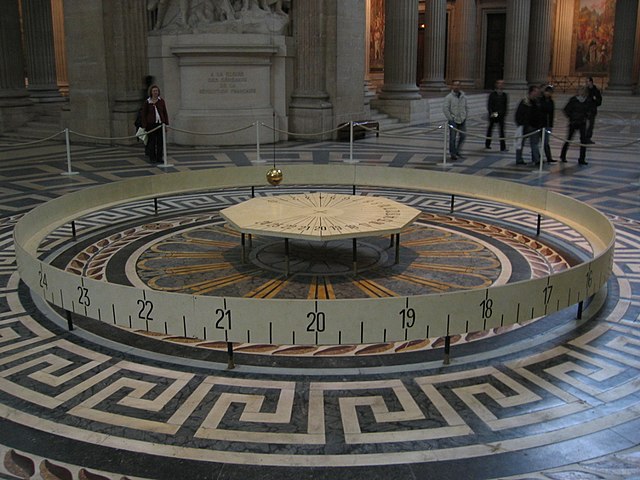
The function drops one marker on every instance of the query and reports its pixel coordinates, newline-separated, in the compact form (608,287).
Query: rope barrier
(484,137)
(215,133)
(84,135)
(595,145)
(388,135)
(300,134)
(33,142)
(361,125)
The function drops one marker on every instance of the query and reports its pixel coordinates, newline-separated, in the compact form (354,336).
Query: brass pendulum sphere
(274,176)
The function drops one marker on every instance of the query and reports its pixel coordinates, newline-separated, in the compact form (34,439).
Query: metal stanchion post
(445,127)
(447,350)
(258,158)
(351,141)
(69,171)
(164,147)
(230,363)
(351,160)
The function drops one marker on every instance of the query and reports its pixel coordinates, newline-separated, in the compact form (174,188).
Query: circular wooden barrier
(319,322)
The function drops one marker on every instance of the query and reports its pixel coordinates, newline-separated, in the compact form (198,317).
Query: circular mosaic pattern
(308,259)
(200,255)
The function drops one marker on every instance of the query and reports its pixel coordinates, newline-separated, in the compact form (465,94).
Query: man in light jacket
(455,111)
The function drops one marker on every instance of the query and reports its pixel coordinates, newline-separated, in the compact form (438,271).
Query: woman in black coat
(154,113)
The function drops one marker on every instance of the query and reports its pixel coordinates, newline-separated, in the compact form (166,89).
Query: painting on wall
(593,34)
(376,31)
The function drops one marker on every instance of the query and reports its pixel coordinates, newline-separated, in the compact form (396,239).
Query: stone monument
(221,66)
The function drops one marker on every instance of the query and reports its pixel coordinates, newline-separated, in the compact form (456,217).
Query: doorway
(494,55)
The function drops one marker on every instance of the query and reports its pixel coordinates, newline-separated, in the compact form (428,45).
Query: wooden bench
(360,129)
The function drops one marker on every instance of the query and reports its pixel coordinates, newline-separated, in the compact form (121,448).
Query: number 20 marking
(317,323)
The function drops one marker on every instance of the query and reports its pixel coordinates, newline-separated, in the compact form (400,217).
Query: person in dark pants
(547,107)
(455,111)
(529,117)
(497,106)
(154,113)
(595,99)
(577,111)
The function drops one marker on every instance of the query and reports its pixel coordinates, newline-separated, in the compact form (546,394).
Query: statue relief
(219,16)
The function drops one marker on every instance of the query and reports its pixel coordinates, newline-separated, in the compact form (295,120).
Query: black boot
(547,153)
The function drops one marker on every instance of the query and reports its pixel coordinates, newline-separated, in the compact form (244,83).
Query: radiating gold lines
(374,289)
(205,286)
(268,289)
(187,269)
(320,288)
(437,267)
(442,286)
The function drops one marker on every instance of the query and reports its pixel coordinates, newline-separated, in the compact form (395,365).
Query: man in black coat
(577,111)
(547,106)
(530,118)
(497,106)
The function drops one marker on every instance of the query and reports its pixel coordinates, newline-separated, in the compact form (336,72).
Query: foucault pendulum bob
(274,175)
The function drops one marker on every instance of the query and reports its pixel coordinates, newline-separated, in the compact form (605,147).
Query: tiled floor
(555,399)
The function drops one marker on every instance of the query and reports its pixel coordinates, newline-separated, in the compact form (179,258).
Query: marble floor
(558,398)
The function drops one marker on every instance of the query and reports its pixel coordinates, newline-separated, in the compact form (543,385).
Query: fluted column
(127,61)
(562,39)
(309,32)
(12,87)
(435,16)
(622,56)
(465,44)
(310,107)
(40,54)
(516,44)
(14,98)
(540,30)
(400,96)
(400,50)
(369,90)
(57,13)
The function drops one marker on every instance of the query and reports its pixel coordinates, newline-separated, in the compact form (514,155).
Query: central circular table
(320,216)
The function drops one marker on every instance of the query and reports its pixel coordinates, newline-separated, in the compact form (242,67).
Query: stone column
(87,68)
(369,89)
(562,39)
(435,16)
(345,59)
(622,56)
(14,98)
(400,97)
(40,54)
(516,44)
(465,43)
(540,31)
(57,13)
(310,109)
(127,60)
